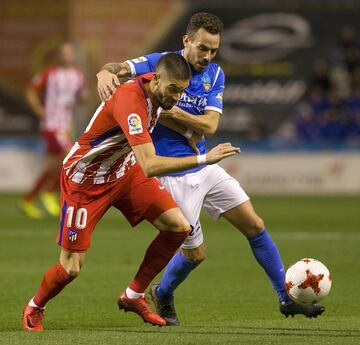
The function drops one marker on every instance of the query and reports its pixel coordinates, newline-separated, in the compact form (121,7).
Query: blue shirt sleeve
(215,98)
(144,64)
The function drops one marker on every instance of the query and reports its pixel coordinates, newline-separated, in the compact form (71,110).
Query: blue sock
(175,273)
(268,256)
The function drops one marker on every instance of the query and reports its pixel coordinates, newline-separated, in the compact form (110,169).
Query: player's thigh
(81,209)
(141,198)
(244,218)
(225,192)
(189,196)
(186,193)
(171,220)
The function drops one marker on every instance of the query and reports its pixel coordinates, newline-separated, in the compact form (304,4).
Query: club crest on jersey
(135,125)
(73,235)
(206,82)
(139,59)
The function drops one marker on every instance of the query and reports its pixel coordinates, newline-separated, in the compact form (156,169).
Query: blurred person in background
(321,77)
(52,95)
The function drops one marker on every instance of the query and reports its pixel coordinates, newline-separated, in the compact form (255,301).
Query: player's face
(67,54)
(200,49)
(168,90)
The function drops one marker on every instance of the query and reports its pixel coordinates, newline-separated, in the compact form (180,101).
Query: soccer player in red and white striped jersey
(52,95)
(112,164)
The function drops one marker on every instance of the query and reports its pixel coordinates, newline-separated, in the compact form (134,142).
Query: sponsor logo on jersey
(188,101)
(139,59)
(73,235)
(206,82)
(135,125)
(219,97)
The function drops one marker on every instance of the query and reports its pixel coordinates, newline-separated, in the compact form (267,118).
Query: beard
(165,103)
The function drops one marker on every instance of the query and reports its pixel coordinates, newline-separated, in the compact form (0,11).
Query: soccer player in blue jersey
(196,115)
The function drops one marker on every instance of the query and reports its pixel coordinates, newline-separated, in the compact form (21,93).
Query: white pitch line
(316,235)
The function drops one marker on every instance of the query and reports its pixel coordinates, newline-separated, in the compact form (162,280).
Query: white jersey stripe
(216,76)
(97,112)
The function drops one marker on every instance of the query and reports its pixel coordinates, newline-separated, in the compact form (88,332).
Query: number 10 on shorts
(80,217)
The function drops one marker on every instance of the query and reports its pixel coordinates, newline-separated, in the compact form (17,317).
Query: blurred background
(292,97)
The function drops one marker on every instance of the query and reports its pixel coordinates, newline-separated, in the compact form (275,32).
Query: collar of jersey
(146,77)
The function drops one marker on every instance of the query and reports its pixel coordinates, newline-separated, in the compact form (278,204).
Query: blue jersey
(204,93)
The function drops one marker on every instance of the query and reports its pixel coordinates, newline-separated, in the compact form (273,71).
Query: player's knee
(74,271)
(72,262)
(181,225)
(197,255)
(177,224)
(172,220)
(254,226)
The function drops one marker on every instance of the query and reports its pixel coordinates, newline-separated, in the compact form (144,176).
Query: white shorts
(212,188)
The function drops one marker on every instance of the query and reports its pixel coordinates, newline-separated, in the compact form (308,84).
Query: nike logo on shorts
(162,187)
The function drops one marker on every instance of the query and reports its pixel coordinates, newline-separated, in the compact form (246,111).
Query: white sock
(132,294)
(32,304)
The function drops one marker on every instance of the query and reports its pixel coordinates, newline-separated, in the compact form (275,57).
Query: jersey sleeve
(215,98)
(130,111)
(144,64)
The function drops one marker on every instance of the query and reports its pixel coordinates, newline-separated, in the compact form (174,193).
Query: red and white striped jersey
(59,87)
(103,152)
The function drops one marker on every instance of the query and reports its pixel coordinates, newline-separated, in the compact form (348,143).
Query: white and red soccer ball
(308,281)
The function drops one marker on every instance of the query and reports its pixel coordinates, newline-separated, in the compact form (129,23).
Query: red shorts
(135,195)
(56,143)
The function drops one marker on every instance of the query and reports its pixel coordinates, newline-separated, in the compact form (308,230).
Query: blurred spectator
(257,129)
(352,58)
(348,38)
(52,96)
(331,112)
(321,77)
(340,80)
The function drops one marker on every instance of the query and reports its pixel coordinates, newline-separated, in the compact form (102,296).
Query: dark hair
(175,65)
(209,22)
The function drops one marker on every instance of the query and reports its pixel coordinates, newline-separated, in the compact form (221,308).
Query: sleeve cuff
(219,110)
(132,68)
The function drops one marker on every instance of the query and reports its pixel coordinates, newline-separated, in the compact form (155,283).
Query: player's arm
(192,137)
(112,74)
(154,165)
(208,122)
(109,78)
(33,98)
(205,124)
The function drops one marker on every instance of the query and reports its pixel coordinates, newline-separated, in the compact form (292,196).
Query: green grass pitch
(227,300)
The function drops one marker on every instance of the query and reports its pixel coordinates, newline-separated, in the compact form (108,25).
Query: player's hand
(169,113)
(195,138)
(220,152)
(106,85)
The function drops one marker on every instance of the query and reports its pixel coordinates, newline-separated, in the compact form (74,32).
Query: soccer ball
(308,281)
